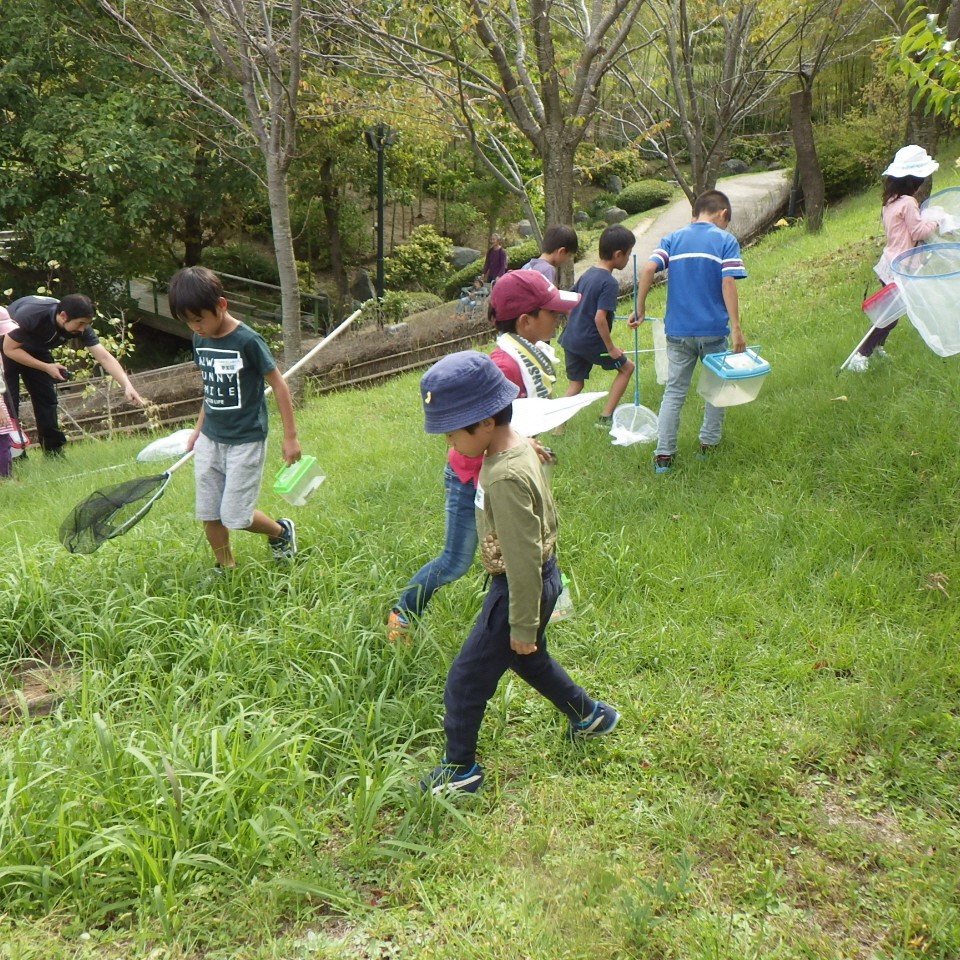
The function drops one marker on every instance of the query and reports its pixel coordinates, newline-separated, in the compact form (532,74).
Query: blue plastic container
(729,379)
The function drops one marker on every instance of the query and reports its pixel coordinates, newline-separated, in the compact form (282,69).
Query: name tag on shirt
(478,499)
(227,366)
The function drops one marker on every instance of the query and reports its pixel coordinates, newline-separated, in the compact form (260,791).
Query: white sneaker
(859,364)
(881,353)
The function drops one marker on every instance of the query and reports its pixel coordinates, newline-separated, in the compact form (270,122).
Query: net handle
(309,355)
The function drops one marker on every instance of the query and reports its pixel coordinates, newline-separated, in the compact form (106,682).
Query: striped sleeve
(661,258)
(732,260)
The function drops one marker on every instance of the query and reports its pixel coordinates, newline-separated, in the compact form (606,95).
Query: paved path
(755,197)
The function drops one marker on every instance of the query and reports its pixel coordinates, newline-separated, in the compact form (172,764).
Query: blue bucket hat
(462,389)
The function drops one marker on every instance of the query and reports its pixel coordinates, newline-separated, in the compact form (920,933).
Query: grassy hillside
(230,770)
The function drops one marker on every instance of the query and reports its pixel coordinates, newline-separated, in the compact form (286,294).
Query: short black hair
(193,290)
(500,419)
(75,306)
(506,326)
(712,201)
(614,238)
(560,236)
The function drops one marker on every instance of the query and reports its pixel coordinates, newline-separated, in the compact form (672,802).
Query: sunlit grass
(233,775)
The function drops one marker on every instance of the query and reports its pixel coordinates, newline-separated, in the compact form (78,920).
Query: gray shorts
(227,477)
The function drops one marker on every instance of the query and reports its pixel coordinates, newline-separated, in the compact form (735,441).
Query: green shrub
(853,154)
(242,260)
(644,194)
(599,165)
(460,221)
(418,301)
(758,149)
(517,256)
(422,262)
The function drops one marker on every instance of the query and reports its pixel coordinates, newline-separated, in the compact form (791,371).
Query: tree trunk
(278,193)
(330,199)
(192,237)
(558,191)
(808,165)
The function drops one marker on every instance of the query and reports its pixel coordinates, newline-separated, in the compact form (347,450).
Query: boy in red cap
(467,398)
(526,307)
(529,306)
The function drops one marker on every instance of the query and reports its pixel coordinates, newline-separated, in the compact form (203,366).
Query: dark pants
(876,339)
(486,656)
(43,392)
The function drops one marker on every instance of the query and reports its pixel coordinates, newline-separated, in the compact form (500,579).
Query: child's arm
(291,443)
(732,302)
(603,328)
(519,534)
(644,283)
(192,439)
(918,228)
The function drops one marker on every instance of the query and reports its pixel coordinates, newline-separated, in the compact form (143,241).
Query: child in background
(587,338)
(470,298)
(559,244)
(702,309)
(495,262)
(230,439)
(8,428)
(466,397)
(530,306)
(904,227)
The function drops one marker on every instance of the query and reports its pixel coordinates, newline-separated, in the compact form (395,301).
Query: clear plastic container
(563,609)
(297,481)
(729,379)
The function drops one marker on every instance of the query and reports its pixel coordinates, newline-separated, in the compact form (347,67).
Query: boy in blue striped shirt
(702,312)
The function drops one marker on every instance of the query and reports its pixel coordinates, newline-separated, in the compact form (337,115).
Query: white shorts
(228,477)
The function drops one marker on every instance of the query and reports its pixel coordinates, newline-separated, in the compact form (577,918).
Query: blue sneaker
(602,720)
(284,547)
(452,778)
(662,463)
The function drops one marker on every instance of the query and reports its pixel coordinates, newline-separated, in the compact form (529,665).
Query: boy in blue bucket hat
(466,397)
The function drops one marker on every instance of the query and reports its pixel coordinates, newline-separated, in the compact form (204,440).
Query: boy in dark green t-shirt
(467,397)
(229,442)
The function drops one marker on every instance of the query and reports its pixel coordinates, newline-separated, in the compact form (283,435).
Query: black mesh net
(108,513)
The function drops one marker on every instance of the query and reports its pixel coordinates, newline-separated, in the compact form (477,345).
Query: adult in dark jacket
(44,323)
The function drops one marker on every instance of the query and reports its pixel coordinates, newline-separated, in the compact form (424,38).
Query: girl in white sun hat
(904,227)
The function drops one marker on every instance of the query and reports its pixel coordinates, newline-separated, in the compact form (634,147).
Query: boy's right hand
(192,439)
(521,648)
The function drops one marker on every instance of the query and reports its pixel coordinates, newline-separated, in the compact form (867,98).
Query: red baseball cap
(526,291)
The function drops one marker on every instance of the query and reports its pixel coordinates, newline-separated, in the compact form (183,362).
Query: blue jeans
(486,656)
(683,354)
(459,546)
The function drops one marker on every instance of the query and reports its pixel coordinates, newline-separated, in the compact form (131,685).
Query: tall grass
(777,625)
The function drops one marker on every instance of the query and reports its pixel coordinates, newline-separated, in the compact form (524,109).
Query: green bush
(517,256)
(242,260)
(417,302)
(421,263)
(397,305)
(599,165)
(853,154)
(460,221)
(644,194)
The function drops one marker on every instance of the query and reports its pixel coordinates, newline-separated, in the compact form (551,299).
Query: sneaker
(662,463)
(604,422)
(705,450)
(284,547)
(397,627)
(881,353)
(602,720)
(859,364)
(452,778)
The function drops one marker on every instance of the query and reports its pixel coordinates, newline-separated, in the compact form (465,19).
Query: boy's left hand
(291,451)
(524,649)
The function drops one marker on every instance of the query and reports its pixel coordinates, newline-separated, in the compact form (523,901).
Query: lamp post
(378,139)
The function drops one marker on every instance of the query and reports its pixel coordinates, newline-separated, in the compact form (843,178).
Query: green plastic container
(297,481)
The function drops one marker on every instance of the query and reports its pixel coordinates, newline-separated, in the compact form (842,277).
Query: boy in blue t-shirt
(586,339)
(229,443)
(702,309)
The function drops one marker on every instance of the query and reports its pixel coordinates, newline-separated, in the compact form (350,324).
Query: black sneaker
(284,547)
(602,720)
(452,778)
(604,422)
(706,449)
(662,463)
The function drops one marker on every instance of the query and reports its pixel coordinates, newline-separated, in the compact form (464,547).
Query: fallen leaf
(835,399)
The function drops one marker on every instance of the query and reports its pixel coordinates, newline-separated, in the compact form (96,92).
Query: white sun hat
(912,161)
